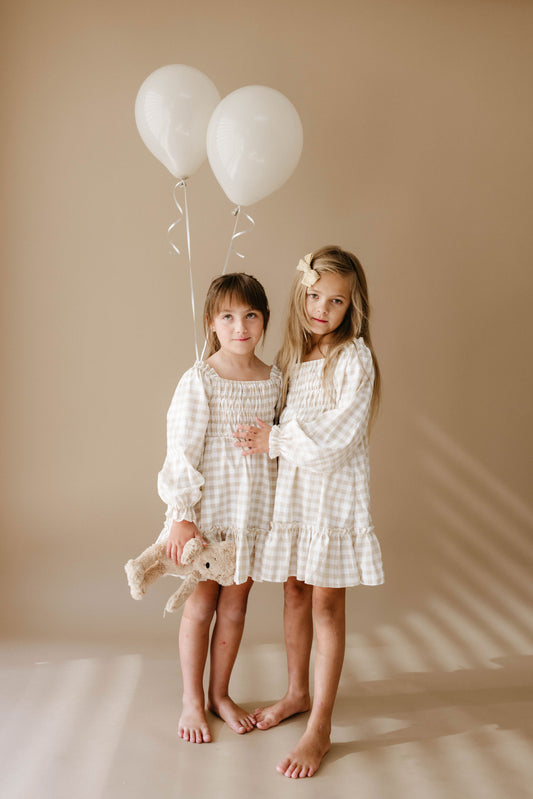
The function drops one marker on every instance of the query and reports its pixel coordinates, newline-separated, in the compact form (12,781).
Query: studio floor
(98,721)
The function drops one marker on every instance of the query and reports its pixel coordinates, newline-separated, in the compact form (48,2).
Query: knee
(297,593)
(329,604)
(200,608)
(232,612)
(232,603)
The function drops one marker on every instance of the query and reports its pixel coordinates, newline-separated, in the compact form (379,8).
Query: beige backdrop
(417,155)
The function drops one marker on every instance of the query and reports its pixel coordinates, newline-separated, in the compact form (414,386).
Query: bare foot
(193,726)
(267,717)
(305,759)
(239,720)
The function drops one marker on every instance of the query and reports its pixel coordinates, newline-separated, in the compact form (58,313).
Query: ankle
(320,727)
(193,700)
(298,694)
(215,697)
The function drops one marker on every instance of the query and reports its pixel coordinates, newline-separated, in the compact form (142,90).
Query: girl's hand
(251,439)
(180,533)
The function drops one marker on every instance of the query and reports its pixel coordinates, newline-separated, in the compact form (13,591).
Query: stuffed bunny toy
(216,561)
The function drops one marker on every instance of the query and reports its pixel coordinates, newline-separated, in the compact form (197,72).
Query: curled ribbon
(310,275)
(182,184)
(236,213)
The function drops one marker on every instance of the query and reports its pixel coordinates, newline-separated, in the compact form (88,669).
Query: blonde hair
(235,286)
(298,340)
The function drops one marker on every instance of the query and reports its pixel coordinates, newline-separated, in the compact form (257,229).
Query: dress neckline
(209,368)
(314,360)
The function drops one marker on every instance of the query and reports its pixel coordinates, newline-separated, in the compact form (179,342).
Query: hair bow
(310,275)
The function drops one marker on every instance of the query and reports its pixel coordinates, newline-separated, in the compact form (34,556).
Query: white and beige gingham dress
(205,478)
(322,530)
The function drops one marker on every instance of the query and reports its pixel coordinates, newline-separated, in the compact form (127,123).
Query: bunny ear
(190,550)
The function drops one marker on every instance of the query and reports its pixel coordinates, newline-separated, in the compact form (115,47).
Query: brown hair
(298,337)
(235,286)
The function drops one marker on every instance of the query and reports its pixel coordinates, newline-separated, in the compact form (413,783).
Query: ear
(190,550)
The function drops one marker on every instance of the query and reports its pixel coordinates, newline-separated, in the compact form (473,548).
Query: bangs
(239,288)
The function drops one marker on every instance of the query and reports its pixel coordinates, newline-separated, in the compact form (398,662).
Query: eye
(312,296)
(226,316)
(251,315)
(338,302)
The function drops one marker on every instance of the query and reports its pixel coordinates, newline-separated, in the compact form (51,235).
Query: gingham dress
(322,530)
(205,478)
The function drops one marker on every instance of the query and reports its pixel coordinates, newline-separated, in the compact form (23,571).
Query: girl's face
(326,303)
(239,328)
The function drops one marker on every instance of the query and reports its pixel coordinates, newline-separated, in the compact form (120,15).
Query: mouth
(322,321)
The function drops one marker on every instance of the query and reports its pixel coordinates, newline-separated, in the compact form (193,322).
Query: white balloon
(172,111)
(254,142)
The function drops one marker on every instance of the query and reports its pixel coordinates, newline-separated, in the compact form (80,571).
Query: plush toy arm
(184,591)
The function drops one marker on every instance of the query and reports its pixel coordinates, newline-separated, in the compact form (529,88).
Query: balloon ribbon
(236,213)
(182,184)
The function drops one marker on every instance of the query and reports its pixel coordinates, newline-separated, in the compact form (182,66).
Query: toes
(244,725)
(294,770)
(283,767)
(194,736)
(299,771)
(263,722)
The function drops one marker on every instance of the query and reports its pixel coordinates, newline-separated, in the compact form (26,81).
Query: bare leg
(225,641)
(329,616)
(193,644)
(298,626)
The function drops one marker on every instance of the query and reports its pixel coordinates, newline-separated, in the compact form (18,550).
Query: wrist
(273,442)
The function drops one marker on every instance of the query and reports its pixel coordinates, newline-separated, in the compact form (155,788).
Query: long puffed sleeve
(179,481)
(326,442)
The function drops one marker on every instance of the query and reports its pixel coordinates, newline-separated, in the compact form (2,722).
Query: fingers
(244,438)
(246,429)
(174,552)
(247,447)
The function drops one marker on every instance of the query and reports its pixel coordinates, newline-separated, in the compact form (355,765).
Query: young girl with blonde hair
(321,540)
(212,494)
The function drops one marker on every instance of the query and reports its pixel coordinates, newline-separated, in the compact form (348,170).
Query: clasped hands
(253,439)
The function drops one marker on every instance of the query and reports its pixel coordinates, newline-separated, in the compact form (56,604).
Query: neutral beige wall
(417,155)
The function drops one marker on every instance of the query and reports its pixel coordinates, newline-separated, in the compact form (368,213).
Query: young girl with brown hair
(212,494)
